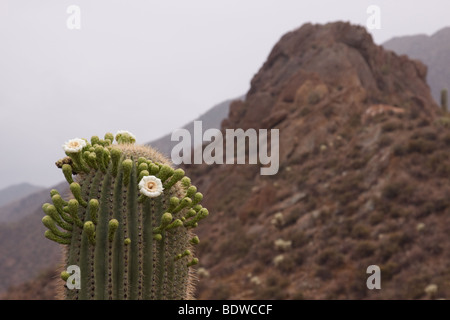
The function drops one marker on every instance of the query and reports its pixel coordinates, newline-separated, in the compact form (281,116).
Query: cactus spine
(128,226)
(444,103)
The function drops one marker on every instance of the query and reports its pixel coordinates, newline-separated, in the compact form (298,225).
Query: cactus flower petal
(150,186)
(74,145)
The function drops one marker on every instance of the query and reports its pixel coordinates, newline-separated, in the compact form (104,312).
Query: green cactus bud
(75,188)
(142,174)
(93,209)
(198,197)
(184,203)
(113,225)
(67,171)
(193,262)
(127,166)
(125,236)
(50,224)
(184,254)
(115,157)
(99,150)
(89,229)
(65,276)
(143,166)
(176,176)
(109,136)
(191,191)
(51,211)
(195,240)
(165,173)
(73,211)
(51,236)
(95,140)
(59,204)
(124,137)
(142,160)
(154,169)
(186,182)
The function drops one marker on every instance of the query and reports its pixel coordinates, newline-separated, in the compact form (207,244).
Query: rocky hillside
(433,51)
(363,180)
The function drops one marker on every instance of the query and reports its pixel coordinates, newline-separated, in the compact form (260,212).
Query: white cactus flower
(150,186)
(74,145)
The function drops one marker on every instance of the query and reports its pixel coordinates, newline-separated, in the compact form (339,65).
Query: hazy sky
(147,66)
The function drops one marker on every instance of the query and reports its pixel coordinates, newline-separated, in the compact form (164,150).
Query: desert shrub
(313,97)
(388,270)
(330,258)
(328,111)
(415,287)
(237,245)
(421,146)
(391,126)
(278,220)
(290,262)
(400,150)
(329,231)
(305,111)
(391,190)
(298,238)
(384,141)
(376,217)
(360,231)
(323,273)
(354,120)
(221,291)
(274,288)
(364,249)
(429,135)
(446,139)
(401,239)
(283,245)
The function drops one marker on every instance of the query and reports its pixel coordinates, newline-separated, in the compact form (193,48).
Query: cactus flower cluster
(128,222)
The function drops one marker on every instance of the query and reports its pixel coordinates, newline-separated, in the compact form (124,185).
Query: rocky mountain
(433,51)
(363,180)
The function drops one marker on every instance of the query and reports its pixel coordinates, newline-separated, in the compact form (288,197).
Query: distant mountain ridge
(432,50)
(16,192)
(210,119)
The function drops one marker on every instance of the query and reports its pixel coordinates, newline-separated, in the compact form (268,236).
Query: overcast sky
(147,66)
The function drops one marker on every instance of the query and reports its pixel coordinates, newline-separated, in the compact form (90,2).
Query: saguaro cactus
(128,225)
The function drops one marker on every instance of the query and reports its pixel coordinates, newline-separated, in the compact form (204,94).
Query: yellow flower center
(74,144)
(151,185)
